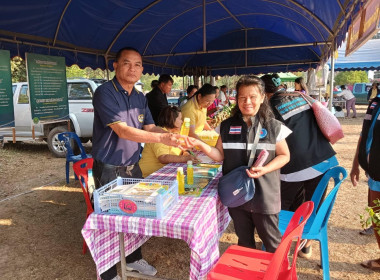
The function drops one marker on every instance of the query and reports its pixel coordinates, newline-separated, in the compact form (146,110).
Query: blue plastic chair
(67,139)
(316,226)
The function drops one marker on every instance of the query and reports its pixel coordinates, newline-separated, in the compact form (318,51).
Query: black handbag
(236,188)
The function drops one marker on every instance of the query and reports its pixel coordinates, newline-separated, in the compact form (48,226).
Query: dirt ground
(41,217)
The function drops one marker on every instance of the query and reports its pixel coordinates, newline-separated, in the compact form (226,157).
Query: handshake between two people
(186,144)
(179,141)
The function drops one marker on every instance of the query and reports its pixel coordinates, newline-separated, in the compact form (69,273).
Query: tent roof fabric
(179,37)
(367,57)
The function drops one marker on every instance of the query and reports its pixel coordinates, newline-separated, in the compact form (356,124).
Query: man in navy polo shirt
(122,121)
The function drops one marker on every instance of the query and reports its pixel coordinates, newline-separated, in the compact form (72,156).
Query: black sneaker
(367,231)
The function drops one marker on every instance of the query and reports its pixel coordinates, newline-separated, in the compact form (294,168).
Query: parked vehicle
(81,113)
(172,100)
(360,91)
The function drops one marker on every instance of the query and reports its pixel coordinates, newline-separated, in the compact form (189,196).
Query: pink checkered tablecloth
(200,221)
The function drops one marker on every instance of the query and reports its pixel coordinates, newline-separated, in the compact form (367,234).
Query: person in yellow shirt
(372,93)
(196,109)
(157,155)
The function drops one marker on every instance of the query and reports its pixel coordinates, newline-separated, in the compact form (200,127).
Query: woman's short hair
(190,88)
(167,116)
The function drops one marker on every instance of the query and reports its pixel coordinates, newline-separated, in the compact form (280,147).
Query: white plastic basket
(136,205)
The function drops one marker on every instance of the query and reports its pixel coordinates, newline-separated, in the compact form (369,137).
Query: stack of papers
(139,189)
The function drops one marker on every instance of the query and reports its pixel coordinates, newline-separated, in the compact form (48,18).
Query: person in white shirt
(223,96)
(350,100)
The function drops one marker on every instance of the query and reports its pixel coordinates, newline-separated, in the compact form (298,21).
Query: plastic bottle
(181,180)
(190,173)
(90,183)
(185,128)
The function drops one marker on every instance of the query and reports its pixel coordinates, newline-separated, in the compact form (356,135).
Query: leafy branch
(372,216)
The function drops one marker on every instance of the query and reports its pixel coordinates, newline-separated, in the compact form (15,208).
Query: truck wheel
(54,145)
(2,142)
(85,139)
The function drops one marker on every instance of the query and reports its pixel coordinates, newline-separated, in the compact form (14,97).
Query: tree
(178,82)
(97,73)
(229,81)
(74,72)
(147,79)
(351,77)
(18,69)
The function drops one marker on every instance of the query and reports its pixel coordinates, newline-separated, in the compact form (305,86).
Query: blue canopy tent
(367,57)
(180,37)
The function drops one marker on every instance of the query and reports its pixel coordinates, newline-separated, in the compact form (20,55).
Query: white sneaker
(142,267)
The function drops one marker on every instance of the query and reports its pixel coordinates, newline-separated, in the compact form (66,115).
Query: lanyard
(255,141)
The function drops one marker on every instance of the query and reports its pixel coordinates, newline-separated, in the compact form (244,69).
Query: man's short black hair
(153,84)
(223,87)
(164,78)
(118,54)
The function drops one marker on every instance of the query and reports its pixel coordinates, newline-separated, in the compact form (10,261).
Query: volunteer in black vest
(238,132)
(311,154)
(367,155)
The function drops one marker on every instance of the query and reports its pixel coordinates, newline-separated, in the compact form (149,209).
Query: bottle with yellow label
(185,128)
(181,180)
(190,173)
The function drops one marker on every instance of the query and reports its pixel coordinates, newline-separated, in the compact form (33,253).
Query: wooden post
(14,134)
(122,257)
(33,135)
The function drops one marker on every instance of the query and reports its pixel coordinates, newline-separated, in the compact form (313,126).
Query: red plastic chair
(81,169)
(245,263)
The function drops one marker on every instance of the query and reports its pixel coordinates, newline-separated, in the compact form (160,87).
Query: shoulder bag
(236,188)
(327,122)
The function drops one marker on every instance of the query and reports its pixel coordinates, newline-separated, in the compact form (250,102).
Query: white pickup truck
(81,112)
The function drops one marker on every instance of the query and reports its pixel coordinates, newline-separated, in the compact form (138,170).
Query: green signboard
(47,87)
(7,118)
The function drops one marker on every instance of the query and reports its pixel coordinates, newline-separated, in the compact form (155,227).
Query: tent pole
(246,45)
(332,77)
(183,79)
(213,80)
(107,69)
(238,49)
(204,25)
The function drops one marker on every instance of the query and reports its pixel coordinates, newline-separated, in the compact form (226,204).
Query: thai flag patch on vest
(373,105)
(235,130)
